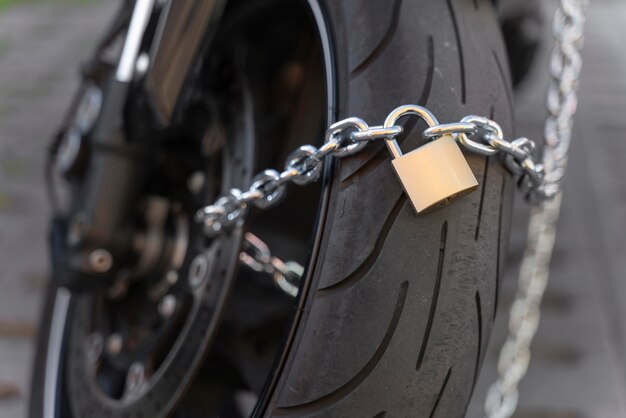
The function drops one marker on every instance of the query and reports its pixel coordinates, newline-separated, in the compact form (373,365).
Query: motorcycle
(338,301)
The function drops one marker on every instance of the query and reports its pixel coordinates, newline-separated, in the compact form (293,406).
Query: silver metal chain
(257,256)
(348,137)
(565,65)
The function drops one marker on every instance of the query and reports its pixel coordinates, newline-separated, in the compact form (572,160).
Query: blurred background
(578,366)
(42,43)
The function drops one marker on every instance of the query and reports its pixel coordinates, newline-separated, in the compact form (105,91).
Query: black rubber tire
(399,308)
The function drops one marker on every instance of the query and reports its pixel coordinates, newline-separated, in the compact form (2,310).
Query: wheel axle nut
(100,260)
(114,343)
(198,270)
(135,377)
(171,277)
(167,306)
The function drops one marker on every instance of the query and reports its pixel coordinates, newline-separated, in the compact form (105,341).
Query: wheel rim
(98,400)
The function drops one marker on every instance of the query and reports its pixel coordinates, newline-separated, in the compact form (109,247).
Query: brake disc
(155,376)
(132,351)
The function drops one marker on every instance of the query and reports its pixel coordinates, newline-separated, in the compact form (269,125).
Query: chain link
(303,166)
(257,256)
(565,66)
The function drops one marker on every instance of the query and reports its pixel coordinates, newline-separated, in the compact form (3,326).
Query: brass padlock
(434,173)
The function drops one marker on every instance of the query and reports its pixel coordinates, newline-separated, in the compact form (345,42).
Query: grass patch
(8,3)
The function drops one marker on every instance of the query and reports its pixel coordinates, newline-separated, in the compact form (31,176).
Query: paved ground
(40,48)
(579,356)
(577,369)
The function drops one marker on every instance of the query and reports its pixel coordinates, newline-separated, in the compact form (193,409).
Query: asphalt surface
(578,364)
(41,46)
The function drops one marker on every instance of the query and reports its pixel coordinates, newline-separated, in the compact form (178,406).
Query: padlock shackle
(400,112)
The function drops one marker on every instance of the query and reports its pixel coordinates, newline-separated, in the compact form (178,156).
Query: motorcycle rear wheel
(395,310)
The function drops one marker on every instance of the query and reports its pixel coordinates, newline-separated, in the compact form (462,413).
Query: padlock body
(434,173)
